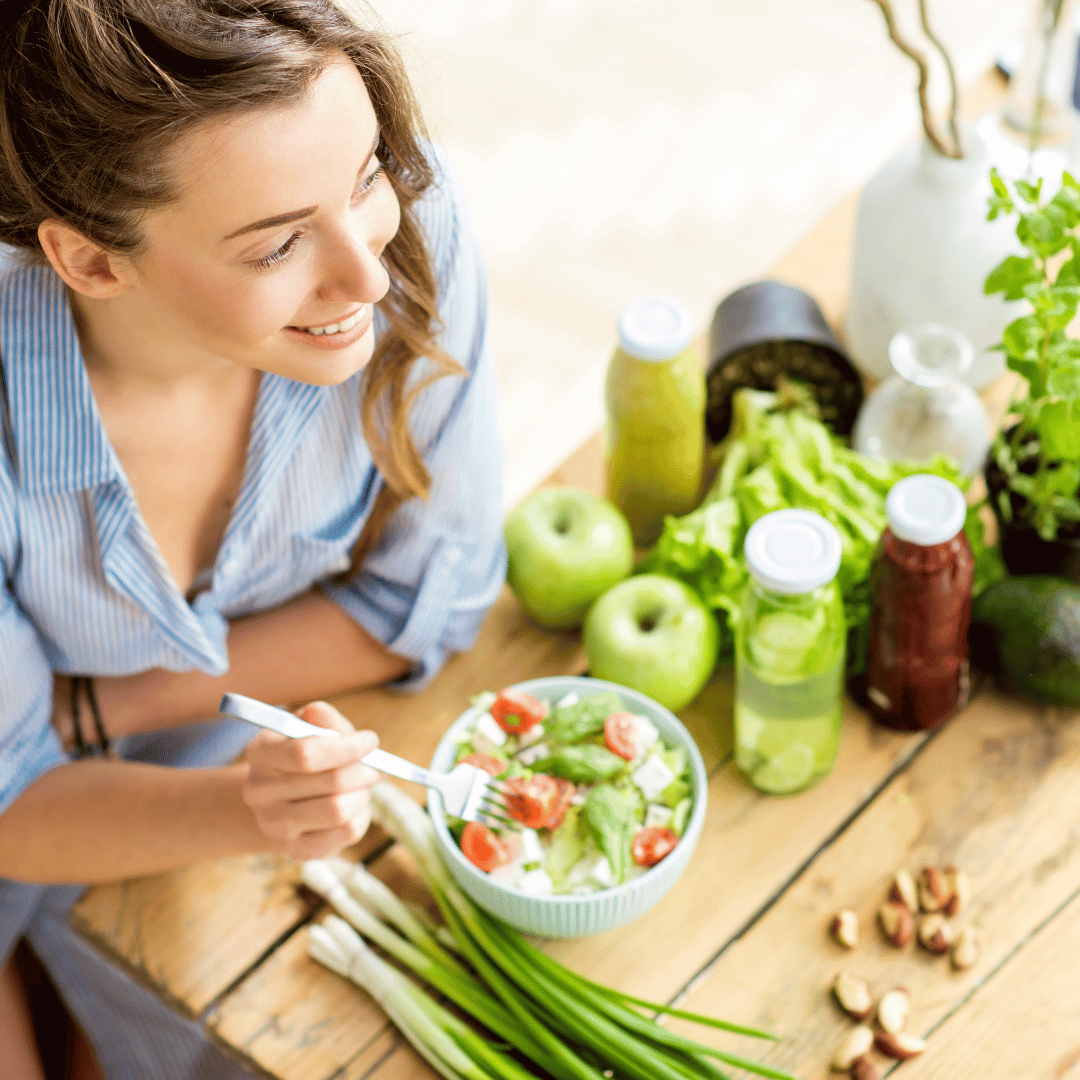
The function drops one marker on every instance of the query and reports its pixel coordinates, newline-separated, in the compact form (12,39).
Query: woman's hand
(310,796)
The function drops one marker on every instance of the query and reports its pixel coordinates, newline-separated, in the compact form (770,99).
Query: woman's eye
(368,182)
(277,256)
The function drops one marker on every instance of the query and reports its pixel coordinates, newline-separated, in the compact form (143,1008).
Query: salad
(599,793)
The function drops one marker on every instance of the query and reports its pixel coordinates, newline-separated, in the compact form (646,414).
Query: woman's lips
(340,340)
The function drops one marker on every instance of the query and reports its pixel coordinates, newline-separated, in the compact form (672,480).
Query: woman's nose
(352,271)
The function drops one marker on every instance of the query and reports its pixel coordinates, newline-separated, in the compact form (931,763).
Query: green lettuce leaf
(776,457)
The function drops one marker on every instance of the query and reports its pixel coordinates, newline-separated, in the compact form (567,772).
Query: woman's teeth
(335,328)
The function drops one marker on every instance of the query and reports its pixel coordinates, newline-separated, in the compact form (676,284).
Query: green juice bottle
(789,653)
(655,416)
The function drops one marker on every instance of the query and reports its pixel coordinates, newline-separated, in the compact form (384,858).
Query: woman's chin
(322,361)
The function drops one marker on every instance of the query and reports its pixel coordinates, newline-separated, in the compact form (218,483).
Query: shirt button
(452,556)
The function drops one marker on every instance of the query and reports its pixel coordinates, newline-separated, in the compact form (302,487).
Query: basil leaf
(575,722)
(585,764)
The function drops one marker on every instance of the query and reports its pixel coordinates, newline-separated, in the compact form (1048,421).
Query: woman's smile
(338,335)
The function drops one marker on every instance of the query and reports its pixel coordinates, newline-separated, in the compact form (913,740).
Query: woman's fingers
(320,845)
(292,787)
(311,795)
(268,752)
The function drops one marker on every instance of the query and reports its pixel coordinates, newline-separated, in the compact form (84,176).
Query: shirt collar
(60,439)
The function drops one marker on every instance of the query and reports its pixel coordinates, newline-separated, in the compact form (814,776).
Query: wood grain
(190,934)
(996,793)
(1024,1021)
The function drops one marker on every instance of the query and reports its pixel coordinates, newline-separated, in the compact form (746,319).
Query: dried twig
(954,98)
(924,76)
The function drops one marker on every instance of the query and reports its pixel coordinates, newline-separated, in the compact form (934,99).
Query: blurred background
(616,147)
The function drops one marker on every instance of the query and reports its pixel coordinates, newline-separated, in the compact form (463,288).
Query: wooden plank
(190,934)
(997,793)
(1024,1021)
(293,1017)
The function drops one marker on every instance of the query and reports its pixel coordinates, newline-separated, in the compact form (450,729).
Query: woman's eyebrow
(296,215)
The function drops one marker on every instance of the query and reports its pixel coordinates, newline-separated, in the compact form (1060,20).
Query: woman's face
(270,257)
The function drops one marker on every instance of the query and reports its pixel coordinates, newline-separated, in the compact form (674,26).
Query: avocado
(1027,631)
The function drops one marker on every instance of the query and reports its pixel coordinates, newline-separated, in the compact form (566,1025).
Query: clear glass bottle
(924,409)
(789,653)
(655,416)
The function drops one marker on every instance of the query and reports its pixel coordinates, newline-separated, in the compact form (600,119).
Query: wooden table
(743,933)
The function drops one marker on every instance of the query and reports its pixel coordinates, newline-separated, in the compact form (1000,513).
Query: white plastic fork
(467,792)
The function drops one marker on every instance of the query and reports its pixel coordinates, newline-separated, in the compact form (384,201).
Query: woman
(250,445)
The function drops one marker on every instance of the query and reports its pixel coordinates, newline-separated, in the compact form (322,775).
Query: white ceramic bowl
(574,916)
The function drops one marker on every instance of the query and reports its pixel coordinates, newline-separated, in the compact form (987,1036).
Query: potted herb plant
(1033,472)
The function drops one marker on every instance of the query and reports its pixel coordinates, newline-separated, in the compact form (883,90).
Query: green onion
(532,992)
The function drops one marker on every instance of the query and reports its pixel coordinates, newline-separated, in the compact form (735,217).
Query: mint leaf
(1064,381)
(1012,276)
(1029,192)
(1067,200)
(1058,427)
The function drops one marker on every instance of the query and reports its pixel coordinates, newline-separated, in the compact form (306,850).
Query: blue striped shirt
(87,590)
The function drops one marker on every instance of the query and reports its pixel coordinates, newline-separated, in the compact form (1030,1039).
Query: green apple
(653,634)
(565,548)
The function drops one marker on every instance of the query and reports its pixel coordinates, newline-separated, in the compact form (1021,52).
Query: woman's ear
(82,264)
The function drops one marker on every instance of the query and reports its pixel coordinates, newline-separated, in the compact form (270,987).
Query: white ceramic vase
(922,250)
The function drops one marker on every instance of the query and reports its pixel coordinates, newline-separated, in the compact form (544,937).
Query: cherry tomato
(482,847)
(561,803)
(531,799)
(488,762)
(620,734)
(652,844)
(516,712)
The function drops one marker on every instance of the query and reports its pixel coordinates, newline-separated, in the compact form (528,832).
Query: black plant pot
(766,331)
(1023,550)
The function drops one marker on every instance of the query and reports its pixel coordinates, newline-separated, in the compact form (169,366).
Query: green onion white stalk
(565,1025)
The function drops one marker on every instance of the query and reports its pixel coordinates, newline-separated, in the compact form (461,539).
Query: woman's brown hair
(93,92)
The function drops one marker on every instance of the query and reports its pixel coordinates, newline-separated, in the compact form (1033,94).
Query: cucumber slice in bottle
(789,771)
(782,642)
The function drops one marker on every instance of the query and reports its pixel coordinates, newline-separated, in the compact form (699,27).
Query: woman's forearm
(307,648)
(96,820)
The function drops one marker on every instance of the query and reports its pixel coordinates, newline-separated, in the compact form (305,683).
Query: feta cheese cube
(659,816)
(578,798)
(508,875)
(645,734)
(531,735)
(487,730)
(652,777)
(531,848)
(532,754)
(601,872)
(537,882)
(567,700)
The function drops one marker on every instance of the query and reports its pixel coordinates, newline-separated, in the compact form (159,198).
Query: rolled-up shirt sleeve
(438,566)
(29,746)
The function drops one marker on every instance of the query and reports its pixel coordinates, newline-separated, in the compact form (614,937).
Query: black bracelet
(82,747)
(95,711)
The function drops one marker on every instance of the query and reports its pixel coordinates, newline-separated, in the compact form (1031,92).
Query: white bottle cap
(925,509)
(655,328)
(792,551)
